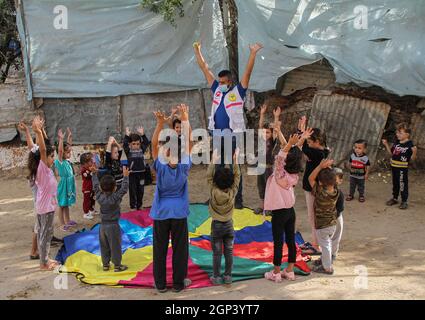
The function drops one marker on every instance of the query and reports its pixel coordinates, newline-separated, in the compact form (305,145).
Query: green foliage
(169,9)
(9,40)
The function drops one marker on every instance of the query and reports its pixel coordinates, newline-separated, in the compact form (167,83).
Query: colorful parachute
(253,250)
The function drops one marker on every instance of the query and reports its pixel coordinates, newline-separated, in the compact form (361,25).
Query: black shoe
(54,239)
(160,290)
(403,206)
(120,268)
(186,283)
(391,202)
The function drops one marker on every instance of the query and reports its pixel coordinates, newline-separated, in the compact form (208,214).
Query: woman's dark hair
(327,177)
(223,178)
(34,160)
(107,183)
(293,160)
(318,136)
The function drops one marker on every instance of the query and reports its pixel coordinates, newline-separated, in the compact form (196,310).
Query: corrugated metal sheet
(317,75)
(346,119)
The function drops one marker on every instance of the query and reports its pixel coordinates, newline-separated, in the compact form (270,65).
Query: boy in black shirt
(113,160)
(135,146)
(402,151)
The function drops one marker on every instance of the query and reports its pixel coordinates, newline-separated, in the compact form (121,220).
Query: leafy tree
(10,51)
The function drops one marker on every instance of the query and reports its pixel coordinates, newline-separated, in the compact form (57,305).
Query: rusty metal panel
(317,75)
(137,110)
(346,119)
(92,120)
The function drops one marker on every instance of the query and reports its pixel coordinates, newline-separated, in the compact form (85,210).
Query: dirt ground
(382,253)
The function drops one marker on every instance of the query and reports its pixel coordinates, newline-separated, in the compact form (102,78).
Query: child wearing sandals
(46,201)
(326,194)
(109,198)
(66,186)
(359,165)
(280,200)
(313,142)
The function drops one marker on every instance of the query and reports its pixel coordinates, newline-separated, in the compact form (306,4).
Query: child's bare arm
(414,153)
(186,128)
(293,140)
(37,128)
(160,120)
(60,144)
(69,139)
(387,146)
(325,163)
(263,110)
(24,128)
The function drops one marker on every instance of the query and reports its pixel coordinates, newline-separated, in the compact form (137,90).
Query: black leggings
(283,222)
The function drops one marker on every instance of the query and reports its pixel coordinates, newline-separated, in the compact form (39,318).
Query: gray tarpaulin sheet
(374,42)
(115,48)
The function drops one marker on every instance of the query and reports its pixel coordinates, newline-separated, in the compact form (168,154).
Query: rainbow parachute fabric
(253,250)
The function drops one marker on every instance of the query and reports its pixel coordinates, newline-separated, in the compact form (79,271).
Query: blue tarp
(374,42)
(114,48)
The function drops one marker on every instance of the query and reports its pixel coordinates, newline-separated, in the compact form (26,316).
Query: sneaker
(106,268)
(276,277)
(216,280)
(88,216)
(54,239)
(320,269)
(120,268)
(186,283)
(403,206)
(160,290)
(288,275)
(227,279)
(391,202)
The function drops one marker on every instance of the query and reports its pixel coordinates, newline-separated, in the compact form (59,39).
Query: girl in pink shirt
(280,200)
(46,202)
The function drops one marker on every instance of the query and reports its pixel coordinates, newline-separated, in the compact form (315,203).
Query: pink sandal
(276,277)
(288,275)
